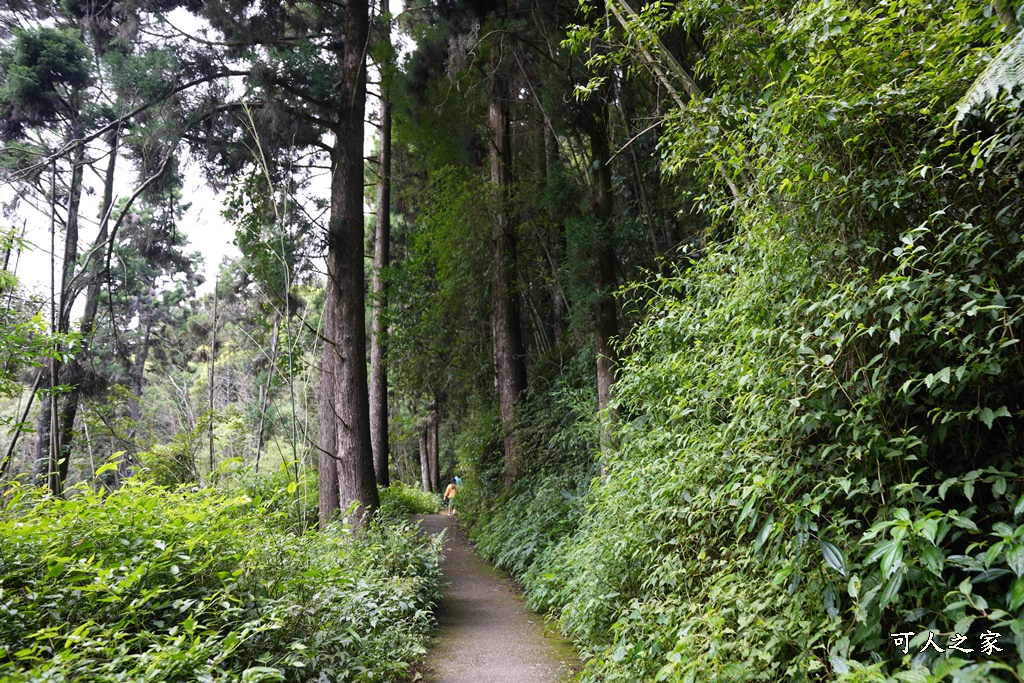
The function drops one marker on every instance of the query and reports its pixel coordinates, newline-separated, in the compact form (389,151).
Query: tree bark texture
(559,301)
(213,365)
(433,452)
(425,460)
(345,336)
(138,369)
(71,240)
(509,367)
(329,502)
(378,327)
(74,374)
(52,456)
(605,314)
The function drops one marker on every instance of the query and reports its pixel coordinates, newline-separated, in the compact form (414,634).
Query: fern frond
(1004,73)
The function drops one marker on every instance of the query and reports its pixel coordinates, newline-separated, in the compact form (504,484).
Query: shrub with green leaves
(149,584)
(820,418)
(403,499)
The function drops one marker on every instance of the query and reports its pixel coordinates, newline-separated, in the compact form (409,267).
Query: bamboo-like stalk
(213,352)
(9,454)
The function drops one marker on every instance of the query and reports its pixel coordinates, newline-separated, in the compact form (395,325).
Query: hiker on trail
(449,496)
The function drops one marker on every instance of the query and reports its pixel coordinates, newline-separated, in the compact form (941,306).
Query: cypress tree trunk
(605,314)
(345,336)
(425,460)
(74,374)
(509,368)
(138,370)
(432,451)
(559,302)
(52,457)
(328,435)
(381,257)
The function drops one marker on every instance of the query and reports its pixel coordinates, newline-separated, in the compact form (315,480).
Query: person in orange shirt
(449,496)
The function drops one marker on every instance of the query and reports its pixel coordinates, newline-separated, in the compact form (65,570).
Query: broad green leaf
(833,557)
(965,523)
(927,528)
(933,559)
(891,590)
(1017,595)
(262,674)
(999,486)
(915,674)
(831,600)
(762,535)
(892,558)
(1015,559)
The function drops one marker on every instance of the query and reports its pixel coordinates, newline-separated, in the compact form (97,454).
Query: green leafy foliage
(152,584)
(819,416)
(39,71)
(1005,73)
(403,499)
(556,431)
(438,304)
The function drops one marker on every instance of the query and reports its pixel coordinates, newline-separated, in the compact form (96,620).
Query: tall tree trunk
(428,485)
(68,413)
(51,457)
(96,260)
(432,450)
(43,461)
(137,375)
(605,314)
(328,432)
(71,239)
(345,338)
(213,362)
(559,302)
(506,330)
(74,374)
(381,257)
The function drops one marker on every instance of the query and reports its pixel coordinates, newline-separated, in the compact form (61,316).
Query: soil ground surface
(485,632)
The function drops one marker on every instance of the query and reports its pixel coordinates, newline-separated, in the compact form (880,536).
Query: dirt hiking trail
(485,633)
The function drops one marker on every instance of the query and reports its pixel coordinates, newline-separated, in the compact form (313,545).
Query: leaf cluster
(148,583)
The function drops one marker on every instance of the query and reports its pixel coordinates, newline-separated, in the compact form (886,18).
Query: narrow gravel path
(485,633)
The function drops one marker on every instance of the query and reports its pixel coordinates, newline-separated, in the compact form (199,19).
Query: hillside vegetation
(819,414)
(148,584)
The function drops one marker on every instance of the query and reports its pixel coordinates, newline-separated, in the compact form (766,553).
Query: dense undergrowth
(402,499)
(820,419)
(153,584)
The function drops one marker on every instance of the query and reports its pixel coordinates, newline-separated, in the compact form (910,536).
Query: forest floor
(485,632)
